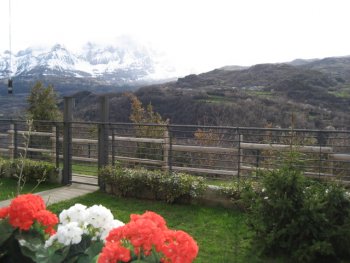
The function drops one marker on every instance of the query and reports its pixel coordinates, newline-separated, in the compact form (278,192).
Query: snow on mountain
(125,61)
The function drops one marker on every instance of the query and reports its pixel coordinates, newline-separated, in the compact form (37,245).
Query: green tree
(43,103)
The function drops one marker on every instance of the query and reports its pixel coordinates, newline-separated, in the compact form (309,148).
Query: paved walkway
(62,193)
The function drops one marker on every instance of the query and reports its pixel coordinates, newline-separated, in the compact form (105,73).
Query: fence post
(103,136)
(11,136)
(57,134)
(67,140)
(53,145)
(166,148)
(113,147)
(15,141)
(240,153)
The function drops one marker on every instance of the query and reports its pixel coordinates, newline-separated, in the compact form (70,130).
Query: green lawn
(84,168)
(8,187)
(222,234)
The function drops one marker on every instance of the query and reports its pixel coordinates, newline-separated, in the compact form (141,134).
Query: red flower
(114,252)
(143,234)
(47,219)
(23,209)
(157,219)
(179,247)
(147,231)
(116,234)
(4,211)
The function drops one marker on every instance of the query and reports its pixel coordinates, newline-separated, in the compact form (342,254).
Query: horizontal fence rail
(214,152)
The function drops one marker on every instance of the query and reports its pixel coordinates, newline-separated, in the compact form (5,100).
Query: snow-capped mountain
(124,62)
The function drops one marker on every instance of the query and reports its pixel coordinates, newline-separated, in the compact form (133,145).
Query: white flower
(69,234)
(98,216)
(50,241)
(76,213)
(96,221)
(266,197)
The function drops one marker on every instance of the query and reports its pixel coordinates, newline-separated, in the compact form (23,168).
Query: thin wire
(10,41)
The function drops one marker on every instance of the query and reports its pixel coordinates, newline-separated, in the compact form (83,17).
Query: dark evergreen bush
(302,219)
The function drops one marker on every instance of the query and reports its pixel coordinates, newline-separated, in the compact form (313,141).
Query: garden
(151,216)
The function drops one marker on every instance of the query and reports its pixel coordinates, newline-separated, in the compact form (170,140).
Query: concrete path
(62,193)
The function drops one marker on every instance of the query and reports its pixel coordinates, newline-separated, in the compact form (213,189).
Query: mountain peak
(57,47)
(124,62)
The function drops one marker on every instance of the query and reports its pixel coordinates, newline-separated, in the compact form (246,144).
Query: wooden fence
(168,149)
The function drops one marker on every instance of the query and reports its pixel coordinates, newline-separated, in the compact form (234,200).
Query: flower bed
(30,233)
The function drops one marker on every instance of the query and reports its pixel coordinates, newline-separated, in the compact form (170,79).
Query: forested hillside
(262,95)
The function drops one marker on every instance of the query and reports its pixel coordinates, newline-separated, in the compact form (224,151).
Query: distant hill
(263,75)
(260,96)
(338,67)
(316,92)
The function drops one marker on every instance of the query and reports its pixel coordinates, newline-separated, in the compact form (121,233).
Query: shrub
(306,220)
(32,170)
(240,192)
(160,185)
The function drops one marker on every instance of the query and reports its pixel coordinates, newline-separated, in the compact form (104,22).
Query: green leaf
(6,231)
(78,250)
(91,253)
(29,244)
(50,255)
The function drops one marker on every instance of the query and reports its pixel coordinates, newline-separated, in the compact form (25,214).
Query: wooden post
(11,141)
(53,145)
(166,149)
(103,142)
(113,147)
(240,154)
(241,150)
(67,140)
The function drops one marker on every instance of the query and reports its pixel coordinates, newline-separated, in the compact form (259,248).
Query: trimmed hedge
(156,185)
(32,170)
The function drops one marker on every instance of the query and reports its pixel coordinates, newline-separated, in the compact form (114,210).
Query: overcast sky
(201,34)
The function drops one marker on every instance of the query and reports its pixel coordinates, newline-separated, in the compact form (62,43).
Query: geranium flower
(179,247)
(148,231)
(154,217)
(114,252)
(76,213)
(4,211)
(23,209)
(67,234)
(47,219)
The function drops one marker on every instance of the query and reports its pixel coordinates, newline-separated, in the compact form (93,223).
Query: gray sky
(200,34)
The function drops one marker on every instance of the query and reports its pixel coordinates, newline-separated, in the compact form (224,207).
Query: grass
(260,93)
(84,168)
(217,99)
(222,235)
(8,187)
(218,182)
(345,94)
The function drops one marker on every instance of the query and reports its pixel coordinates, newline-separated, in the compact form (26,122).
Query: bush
(156,184)
(32,170)
(240,192)
(306,220)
